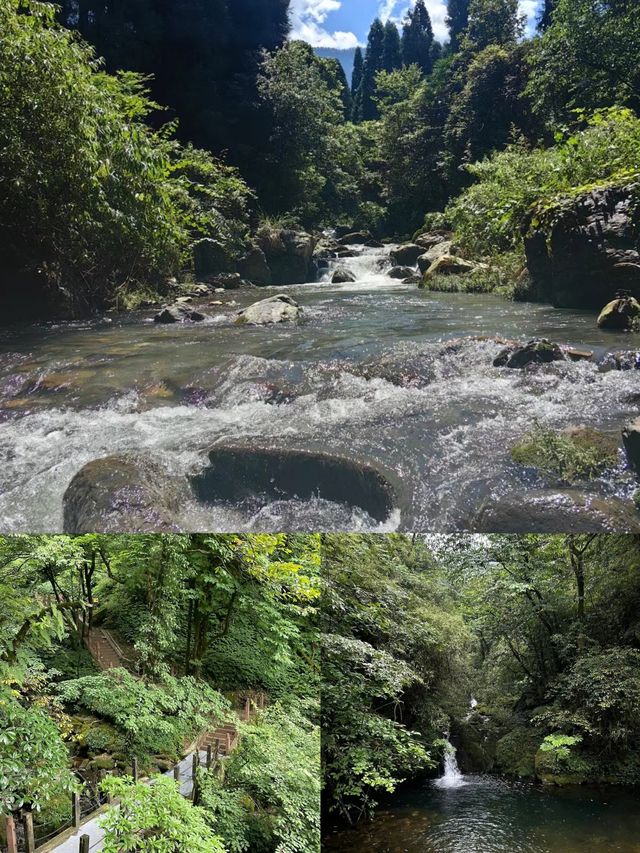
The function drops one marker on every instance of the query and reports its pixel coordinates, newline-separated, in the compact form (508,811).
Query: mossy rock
(578,453)
(103,762)
(516,752)
(622,314)
(577,769)
(102,738)
(475,740)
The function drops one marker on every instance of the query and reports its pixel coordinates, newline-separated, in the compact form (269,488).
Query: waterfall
(452,777)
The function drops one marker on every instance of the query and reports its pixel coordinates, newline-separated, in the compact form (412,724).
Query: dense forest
(168,124)
(115,649)
(542,631)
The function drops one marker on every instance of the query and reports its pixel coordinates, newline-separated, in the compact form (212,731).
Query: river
(371,375)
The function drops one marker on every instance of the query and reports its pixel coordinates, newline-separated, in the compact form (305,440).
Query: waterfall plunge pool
(484,814)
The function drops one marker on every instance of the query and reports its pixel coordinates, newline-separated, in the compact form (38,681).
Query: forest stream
(370,375)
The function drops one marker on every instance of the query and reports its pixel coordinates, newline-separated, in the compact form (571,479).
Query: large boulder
(342,275)
(275,309)
(356,238)
(631,439)
(289,255)
(589,249)
(622,314)
(431,255)
(449,265)
(254,267)
(538,351)
(407,255)
(180,312)
(210,258)
(432,238)
(123,494)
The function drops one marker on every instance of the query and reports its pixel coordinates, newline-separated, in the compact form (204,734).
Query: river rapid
(379,372)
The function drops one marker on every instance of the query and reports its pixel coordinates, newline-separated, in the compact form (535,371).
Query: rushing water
(482,814)
(371,374)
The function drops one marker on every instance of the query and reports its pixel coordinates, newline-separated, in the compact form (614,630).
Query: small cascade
(452,777)
(473,704)
(369,266)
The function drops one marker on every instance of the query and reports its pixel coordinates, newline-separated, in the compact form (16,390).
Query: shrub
(94,202)
(489,216)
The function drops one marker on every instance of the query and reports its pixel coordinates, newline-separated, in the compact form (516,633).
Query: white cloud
(307,19)
(395,10)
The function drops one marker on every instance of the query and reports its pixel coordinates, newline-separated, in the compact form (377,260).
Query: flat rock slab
(123,494)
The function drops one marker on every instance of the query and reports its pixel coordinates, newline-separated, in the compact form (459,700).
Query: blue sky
(345,23)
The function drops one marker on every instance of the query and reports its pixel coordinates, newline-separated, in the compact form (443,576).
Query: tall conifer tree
(391,48)
(365,108)
(417,38)
(457,21)
(358,63)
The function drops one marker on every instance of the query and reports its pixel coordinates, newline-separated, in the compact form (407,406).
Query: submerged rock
(631,440)
(401,272)
(622,314)
(263,474)
(178,313)
(342,275)
(539,351)
(549,511)
(623,360)
(123,494)
(229,281)
(275,309)
(407,255)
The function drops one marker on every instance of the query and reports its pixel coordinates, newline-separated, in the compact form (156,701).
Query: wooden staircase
(105,650)
(224,739)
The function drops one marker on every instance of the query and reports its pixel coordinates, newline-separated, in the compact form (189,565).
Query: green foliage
(33,759)
(155,817)
(585,59)
(153,718)
(559,746)
(276,766)
(312,155)
(516,752)
(488,217)
(96,203)
(492,22)
(388,683)
(567,457)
